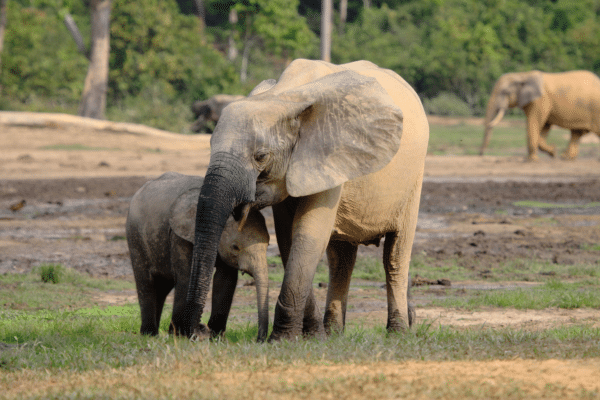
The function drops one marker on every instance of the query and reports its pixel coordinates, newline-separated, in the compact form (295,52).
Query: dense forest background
(164,54)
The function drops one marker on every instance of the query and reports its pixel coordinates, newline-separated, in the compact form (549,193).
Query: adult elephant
(338,151)
(206,111)
(568,99)
(160,235)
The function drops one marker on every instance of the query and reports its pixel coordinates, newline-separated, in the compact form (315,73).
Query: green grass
(539,204)
(512,270)
(60,327)
(29,292)
(466,139)
(551,294)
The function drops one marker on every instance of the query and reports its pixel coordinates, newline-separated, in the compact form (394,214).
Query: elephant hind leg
(152,297)
(341,257)
(396,260)
(573,147)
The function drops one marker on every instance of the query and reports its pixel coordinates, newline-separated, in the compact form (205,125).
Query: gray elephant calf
(160,234)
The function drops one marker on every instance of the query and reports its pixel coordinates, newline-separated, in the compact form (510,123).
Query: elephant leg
(283,216)
(543,144)
(536,120)
(181,258)
(311,229)
(224,283)
(573,148)
(397,250)
(342,257)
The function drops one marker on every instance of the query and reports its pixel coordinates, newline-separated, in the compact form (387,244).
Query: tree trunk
(93,99)
(326,12)
(76,35)
(2,29)
(367,3)
(232,51)
(200,11)
(343,15)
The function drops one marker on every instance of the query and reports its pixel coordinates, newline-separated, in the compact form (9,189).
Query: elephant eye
(236,247)
(262,157)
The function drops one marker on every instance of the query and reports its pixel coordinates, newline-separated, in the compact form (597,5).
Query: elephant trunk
(261,279)
(494,115)
(227,184)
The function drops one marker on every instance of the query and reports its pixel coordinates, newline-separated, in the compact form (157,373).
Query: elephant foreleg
(283,216)
(224,283)
(536,121)
(573,148)
(341,257)
(543,144)
(311,229)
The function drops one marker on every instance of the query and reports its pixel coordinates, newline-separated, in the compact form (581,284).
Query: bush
(51,272)
(447,104)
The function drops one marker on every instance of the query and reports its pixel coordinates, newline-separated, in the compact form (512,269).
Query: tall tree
(93,99)
(2,29)
(326,13)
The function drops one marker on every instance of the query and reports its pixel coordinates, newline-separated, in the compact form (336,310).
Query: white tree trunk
(326,13)
(343,14)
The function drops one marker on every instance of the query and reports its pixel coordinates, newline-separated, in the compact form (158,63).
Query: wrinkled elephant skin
(338,151)
(160,234)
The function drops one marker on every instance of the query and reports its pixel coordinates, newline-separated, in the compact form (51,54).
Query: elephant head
(242,248)
(318,127)
(511,90)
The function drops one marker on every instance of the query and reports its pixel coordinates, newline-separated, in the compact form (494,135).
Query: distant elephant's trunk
(226,185)
(494,115)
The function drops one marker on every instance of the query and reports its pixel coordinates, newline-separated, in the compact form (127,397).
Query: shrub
(51,272)
(447,104)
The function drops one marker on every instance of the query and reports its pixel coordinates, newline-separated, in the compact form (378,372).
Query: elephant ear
(531,89)
(263,87)
(349,127)
(183,214)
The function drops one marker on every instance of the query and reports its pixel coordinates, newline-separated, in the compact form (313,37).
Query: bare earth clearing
(70,187)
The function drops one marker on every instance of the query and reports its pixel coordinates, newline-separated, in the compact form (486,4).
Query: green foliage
(36,62)
(447,104)
(51,272)
(162,58)
(153,45)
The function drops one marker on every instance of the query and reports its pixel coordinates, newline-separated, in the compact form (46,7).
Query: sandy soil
(64,195)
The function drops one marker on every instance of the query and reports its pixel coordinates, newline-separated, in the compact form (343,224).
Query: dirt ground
(64,193)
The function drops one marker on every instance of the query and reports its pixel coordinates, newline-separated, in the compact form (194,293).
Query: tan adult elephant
(338,151)
(570,100)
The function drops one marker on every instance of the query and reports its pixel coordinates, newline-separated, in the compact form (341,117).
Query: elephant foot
(567,156)
(397,324)
(202,333)
(532,158)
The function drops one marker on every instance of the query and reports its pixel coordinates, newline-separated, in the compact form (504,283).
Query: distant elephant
(338,151)
(160,235)
(570,100)
(210,110)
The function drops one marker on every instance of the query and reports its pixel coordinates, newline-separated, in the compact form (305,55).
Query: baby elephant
(160,234)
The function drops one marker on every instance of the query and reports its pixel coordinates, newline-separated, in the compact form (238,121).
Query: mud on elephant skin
(570,100)
(208,112)
(160,234)
(338,151)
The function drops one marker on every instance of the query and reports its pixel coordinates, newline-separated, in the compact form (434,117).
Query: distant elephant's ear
(263,87)
(531,89)
(183,214)
(349,127)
